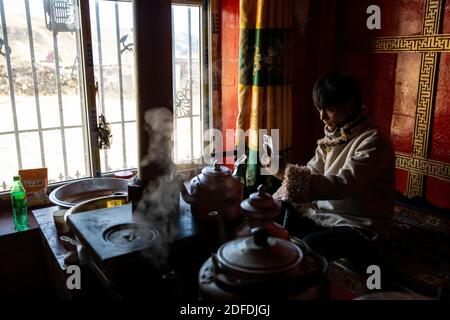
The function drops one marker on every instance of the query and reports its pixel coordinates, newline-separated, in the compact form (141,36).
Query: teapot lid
(261,202)
(259,254)
(216,170)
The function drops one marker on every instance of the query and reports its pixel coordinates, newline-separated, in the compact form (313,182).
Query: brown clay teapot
(260,210)
(215,189)
(260,205)
(260,266)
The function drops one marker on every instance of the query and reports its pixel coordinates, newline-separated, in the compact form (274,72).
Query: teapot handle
(187,197)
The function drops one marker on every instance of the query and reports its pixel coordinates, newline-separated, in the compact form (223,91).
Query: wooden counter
(23,272)
(44,219)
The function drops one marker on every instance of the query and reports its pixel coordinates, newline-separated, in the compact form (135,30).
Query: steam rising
(159,205)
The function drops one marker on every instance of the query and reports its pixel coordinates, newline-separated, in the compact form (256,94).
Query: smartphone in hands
(268,150)
(271,161)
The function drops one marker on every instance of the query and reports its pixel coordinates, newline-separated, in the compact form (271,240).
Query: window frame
(205,46)
(90,115)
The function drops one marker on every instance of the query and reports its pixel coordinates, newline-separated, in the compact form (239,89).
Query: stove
(115,242)
(130,235)
(112,235)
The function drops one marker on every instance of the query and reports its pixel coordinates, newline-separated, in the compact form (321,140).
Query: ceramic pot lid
(259,254)
(216,170)
(261,203)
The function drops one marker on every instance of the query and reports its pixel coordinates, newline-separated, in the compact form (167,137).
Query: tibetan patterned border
(433,43)
(424,220)
(425,96)
(422,127)
(425,103)
(347,278)
(432,20)
(415,185)
(435,169)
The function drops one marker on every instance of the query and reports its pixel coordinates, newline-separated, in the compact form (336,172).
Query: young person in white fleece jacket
(343,199)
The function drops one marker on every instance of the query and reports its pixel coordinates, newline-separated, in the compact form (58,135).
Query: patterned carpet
(418,259)
(416,256)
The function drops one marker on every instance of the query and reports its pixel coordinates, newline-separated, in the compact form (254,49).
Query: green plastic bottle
(19,205)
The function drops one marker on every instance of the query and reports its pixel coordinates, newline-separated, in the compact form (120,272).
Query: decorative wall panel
(427,161)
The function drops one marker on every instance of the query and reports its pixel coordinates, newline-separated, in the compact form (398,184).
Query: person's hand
(269,157)
(276,171)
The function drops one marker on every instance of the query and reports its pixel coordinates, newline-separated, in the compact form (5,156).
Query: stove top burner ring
(130,235)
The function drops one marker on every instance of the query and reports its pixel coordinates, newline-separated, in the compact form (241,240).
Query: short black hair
(336,89)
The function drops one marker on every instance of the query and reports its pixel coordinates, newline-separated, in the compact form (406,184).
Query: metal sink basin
(77,192)
(98,203)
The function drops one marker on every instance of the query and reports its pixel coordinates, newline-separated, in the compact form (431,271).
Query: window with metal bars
(45,119)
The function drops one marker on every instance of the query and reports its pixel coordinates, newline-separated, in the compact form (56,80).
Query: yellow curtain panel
(265,91)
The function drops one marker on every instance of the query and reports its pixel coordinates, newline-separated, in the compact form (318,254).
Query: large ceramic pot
(260,266)
(215,189)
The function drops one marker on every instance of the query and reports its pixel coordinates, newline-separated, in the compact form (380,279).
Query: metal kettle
(215,189)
